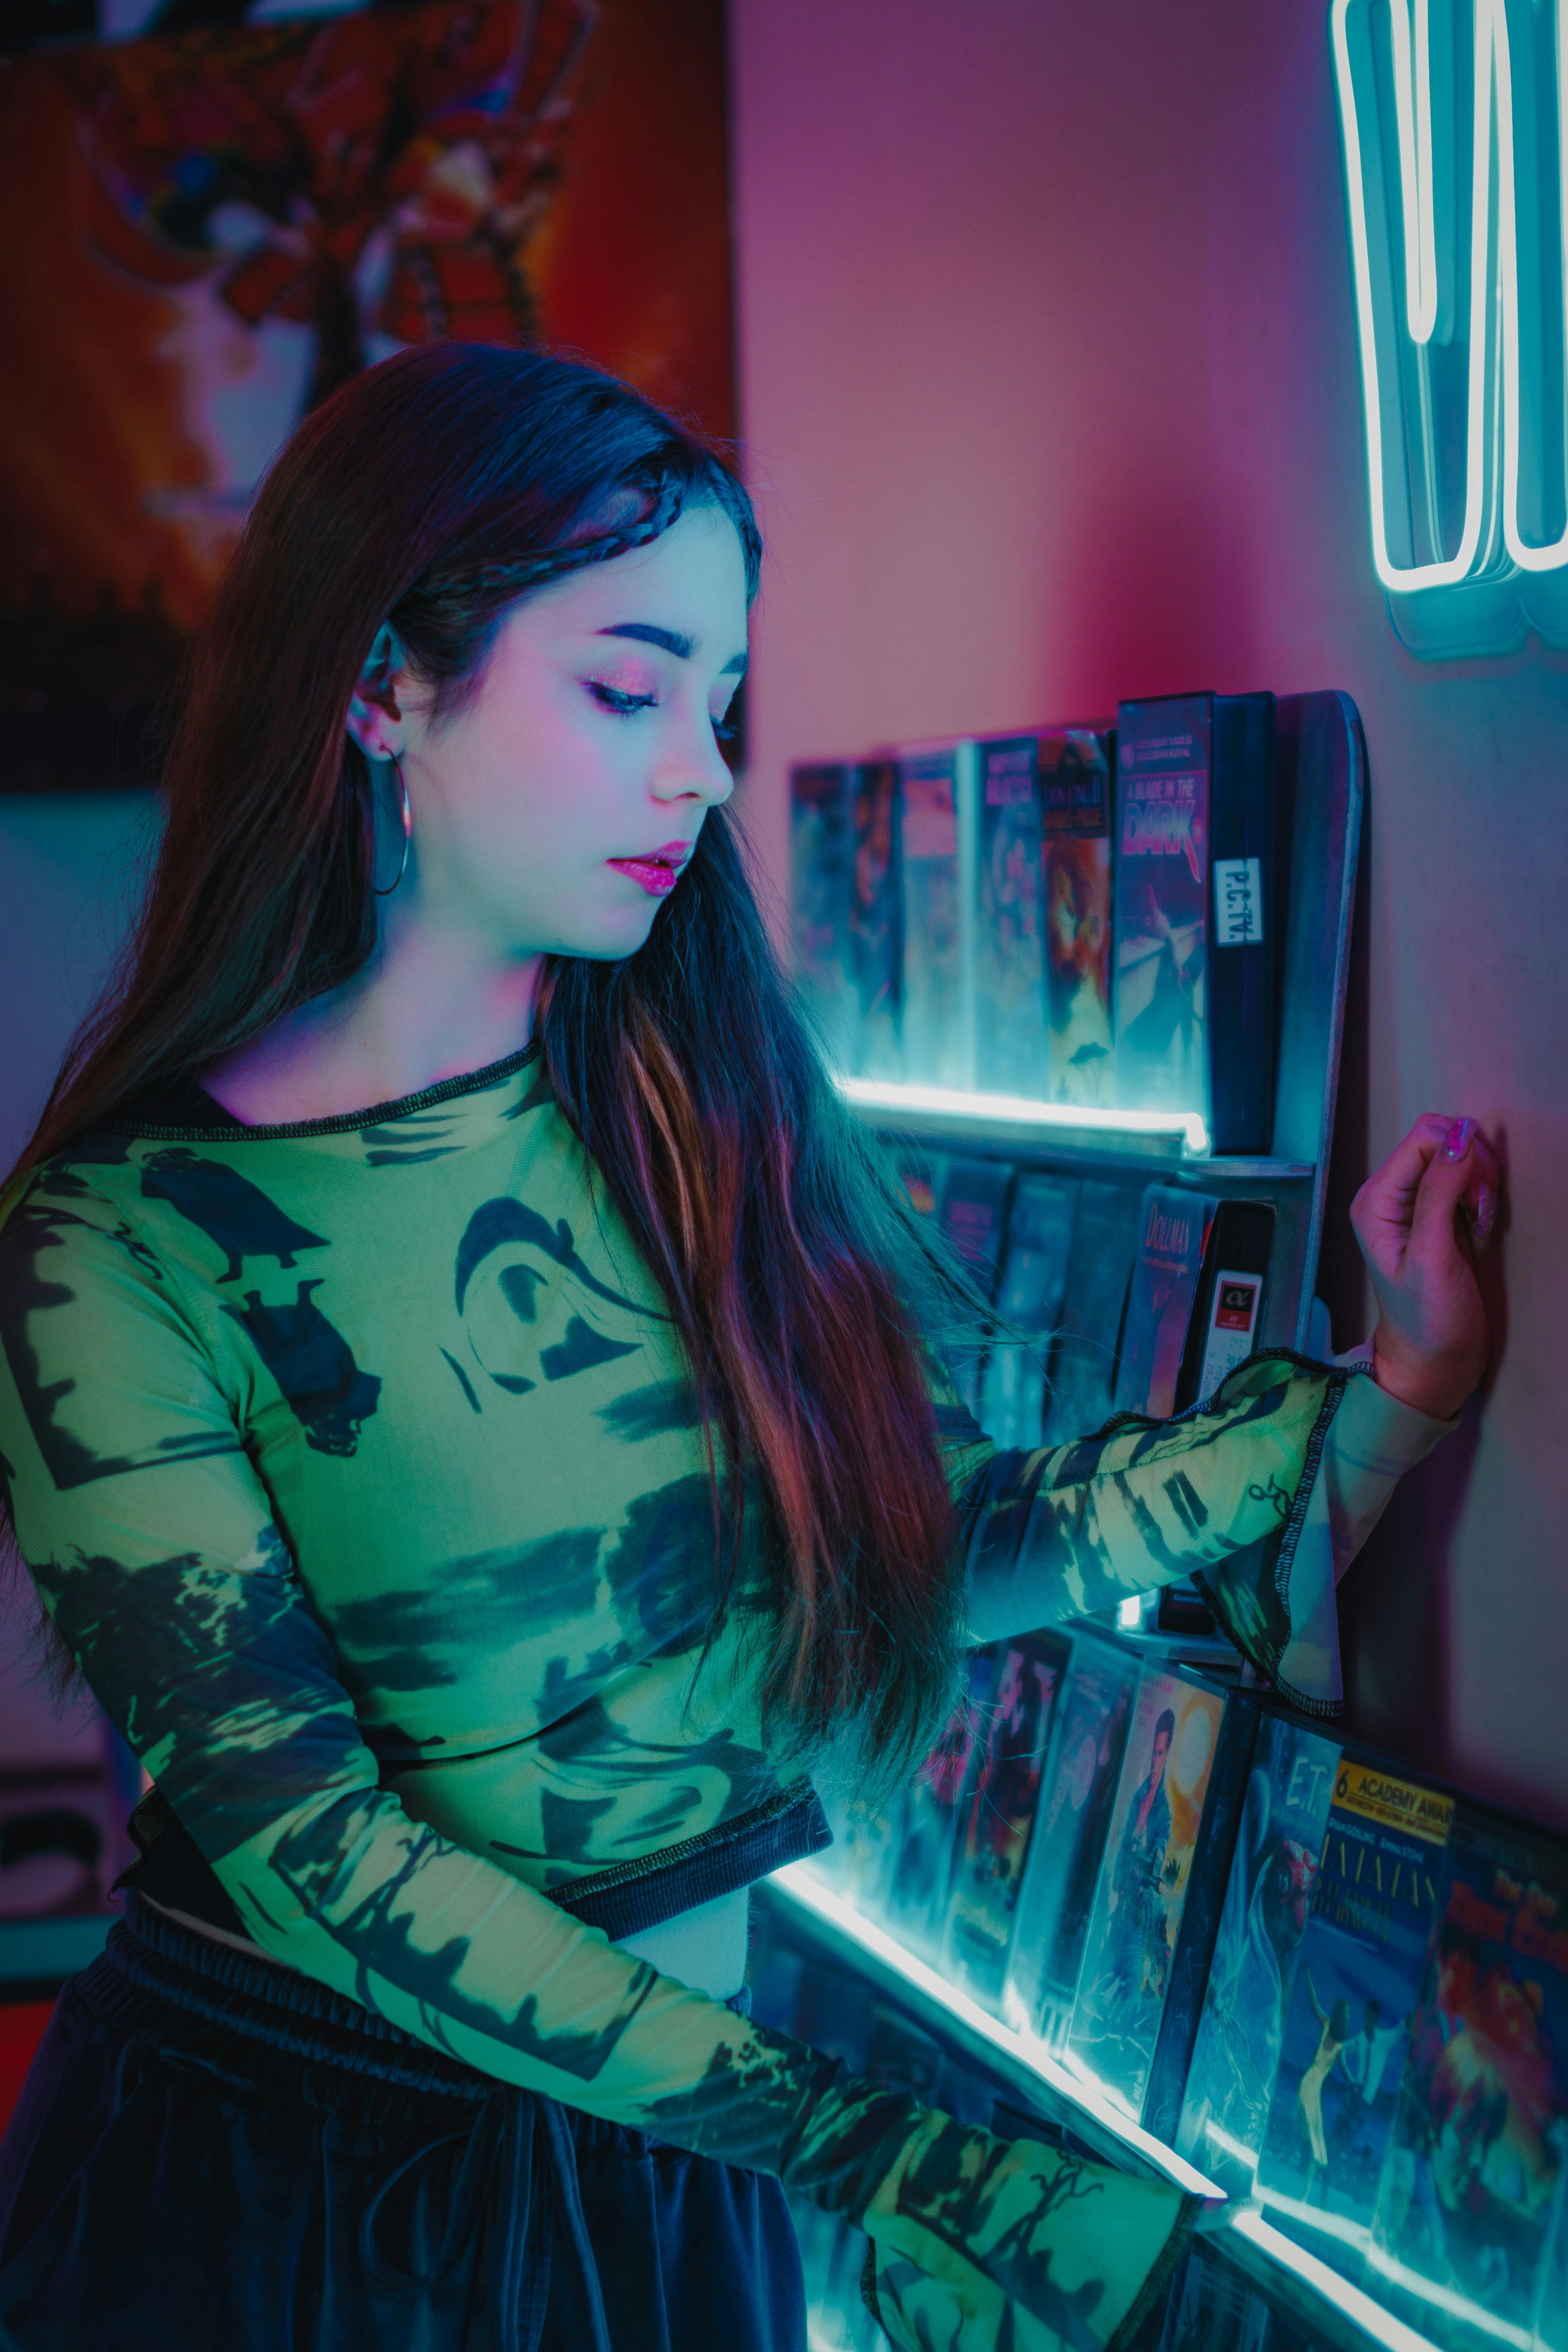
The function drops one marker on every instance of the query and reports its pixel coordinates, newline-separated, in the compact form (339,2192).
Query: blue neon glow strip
(1249,2222)
(1019,1110)
(801,1883)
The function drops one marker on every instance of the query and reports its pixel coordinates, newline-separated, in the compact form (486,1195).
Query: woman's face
(553,811)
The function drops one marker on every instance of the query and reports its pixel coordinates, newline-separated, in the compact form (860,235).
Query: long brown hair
(434,490)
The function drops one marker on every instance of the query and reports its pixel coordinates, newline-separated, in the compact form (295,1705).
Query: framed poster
(206,228)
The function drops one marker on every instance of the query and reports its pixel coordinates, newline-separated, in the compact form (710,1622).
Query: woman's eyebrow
(670,641)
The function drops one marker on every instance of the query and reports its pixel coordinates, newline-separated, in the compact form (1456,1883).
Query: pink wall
(1049,385)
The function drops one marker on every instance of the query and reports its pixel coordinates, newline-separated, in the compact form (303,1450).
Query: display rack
(1331,2311)
(1321,783)
(1321,771)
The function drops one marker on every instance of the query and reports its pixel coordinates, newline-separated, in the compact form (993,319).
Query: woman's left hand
(1421,1219)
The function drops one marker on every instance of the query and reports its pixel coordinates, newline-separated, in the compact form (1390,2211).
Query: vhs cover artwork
(1083,1368)
(1212,2309)
(1009,1033)
(819,853)
(1142,1887)
(1078,1791)
(934,1046)
(993,1838)
(1474,2189)
(1347,2026)
(1162,766)
(1030,1299)
(1267,1901)
(1075,860)
(1173,1228)
(876,943)
(972,1217)
(867,1837)
(934,1805)
(923,1175)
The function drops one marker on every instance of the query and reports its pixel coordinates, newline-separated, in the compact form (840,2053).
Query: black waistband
(626,1901)
(152,1966)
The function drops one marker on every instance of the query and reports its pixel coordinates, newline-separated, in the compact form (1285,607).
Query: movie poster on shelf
(1009,1033)
(1029,1301)
(1213,2310)
(1075,857)
(821,852)
(867,1834)
(993,1843)
(1174,1228)
(1347,2024)
(1077,1794)
(935,796)
(933,1807)
(876,920)
(1083,1367)
(1474,2189)
(1268,1902)
(1163,752)
(1143,1879)
(205,231)
(974,1220)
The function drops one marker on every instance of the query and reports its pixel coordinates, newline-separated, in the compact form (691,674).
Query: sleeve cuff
(1375,1430)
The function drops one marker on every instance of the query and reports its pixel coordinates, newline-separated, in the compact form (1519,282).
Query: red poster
(201,232)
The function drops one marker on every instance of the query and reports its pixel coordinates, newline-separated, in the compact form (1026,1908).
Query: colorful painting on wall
(204,229)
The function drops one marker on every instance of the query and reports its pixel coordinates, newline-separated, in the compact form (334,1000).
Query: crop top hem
(636,1896)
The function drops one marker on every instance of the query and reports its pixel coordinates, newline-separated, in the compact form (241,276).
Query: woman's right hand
(978,2241)
(1423,1220)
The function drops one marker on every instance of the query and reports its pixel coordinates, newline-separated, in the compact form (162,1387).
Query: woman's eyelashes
(624,704)
(616,698)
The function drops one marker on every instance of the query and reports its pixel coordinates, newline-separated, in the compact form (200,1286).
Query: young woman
(470,1408)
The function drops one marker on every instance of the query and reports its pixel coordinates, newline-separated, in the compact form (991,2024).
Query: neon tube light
(1246,2222)
(801,1883)
(1510,212)
(802,1886)
(1018,1111)
(1403,578)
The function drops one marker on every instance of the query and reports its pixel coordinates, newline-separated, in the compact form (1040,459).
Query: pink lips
(660,871)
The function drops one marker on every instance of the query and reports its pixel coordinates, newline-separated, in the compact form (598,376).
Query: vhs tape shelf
(992,878)
(1128,1890)
(964,911)
(1269,2294)
(1150,1917)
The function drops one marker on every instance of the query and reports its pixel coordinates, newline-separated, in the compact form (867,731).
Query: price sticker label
(1237,901)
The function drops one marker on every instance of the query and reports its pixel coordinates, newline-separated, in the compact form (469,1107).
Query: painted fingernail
(1485,1213)
(1456,1142)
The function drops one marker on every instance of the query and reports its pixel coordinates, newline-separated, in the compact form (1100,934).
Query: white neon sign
(1455,119)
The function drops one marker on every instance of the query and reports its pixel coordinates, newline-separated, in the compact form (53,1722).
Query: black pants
(210,2151)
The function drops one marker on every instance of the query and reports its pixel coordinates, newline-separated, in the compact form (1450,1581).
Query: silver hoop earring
(408,833)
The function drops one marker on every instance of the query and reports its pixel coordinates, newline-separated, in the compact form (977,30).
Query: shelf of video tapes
(1114,1288)
(1108,947)
(1132,1905)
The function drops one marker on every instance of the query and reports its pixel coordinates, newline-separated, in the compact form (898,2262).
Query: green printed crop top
(355,1461)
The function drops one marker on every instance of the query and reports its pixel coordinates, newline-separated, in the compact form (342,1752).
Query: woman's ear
(375,718)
